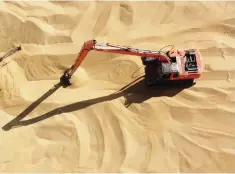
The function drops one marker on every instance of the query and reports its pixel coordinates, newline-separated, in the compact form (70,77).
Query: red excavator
(182,65)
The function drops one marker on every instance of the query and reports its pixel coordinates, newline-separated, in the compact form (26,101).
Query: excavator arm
(106,47)
(9,53)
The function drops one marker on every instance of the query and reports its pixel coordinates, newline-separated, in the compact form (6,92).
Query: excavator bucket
(65,79)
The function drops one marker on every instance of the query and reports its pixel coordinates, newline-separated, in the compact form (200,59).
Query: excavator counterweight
(174,65)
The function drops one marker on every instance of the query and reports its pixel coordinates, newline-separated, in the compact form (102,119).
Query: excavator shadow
(17,120)
(135,92)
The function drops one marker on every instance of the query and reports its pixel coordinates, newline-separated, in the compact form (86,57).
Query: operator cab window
(191,63)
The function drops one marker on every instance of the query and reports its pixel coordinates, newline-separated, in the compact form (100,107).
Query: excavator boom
(106,47)
(9,53)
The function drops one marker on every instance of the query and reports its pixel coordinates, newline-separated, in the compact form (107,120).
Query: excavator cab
(182,68)
(191,63)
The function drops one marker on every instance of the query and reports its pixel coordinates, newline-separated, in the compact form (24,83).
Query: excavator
(9,53)
(175,65)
